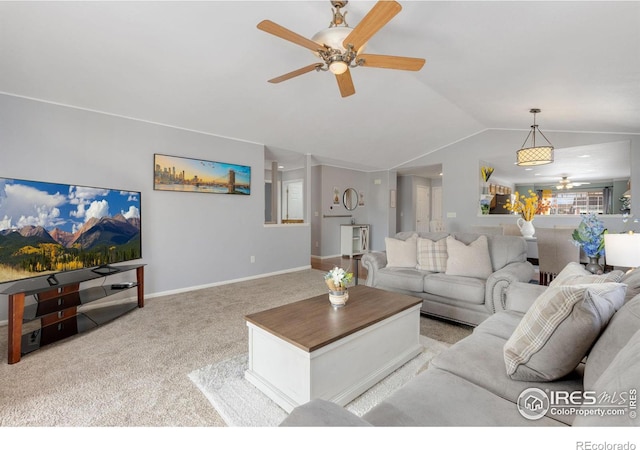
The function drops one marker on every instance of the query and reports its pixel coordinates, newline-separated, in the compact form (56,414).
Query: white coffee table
(308,349)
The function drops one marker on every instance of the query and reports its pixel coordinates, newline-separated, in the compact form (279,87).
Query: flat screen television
(48,228)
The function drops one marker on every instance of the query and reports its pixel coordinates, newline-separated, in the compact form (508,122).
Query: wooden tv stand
(58,301)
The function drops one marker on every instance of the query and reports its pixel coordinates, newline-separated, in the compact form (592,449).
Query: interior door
(436,200)
(422,208)
(292,204)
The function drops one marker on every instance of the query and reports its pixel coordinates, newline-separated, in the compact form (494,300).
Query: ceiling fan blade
(391,62)
(295,73)
(345,83)
(284,33)
(381,13)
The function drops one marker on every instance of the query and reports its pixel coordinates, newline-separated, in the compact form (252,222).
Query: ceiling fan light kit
(341,48)
(565,183)
(534,155)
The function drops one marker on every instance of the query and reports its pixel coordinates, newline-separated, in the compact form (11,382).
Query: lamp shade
(622,249)
(534,156)
(333,37)
(338,67)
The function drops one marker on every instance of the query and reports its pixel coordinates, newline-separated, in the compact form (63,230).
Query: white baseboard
(221,283)
(326,257)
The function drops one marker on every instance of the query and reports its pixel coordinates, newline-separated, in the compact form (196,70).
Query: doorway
(423,207)
(292,201)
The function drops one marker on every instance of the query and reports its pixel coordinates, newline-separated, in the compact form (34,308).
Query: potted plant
(590,237)
(337,280)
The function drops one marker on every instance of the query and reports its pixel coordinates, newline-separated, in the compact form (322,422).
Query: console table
(354,239)
(58,298)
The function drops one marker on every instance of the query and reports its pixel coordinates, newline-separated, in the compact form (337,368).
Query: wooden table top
(313,323)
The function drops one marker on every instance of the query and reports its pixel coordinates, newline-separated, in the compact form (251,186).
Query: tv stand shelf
(57,301)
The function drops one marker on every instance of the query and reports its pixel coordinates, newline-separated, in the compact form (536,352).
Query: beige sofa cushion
(432,255)
(621,379)
(402,253)
(632,280)
(624,324)
(471,260)
(575,273)
(559,329)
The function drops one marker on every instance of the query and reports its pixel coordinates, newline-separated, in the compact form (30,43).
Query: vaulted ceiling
(204,66)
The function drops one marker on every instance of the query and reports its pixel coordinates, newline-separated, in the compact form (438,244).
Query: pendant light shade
(534,155)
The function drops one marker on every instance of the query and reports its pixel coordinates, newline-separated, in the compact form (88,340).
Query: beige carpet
(133,372)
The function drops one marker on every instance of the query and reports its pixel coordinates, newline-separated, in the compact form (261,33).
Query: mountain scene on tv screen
(48,228)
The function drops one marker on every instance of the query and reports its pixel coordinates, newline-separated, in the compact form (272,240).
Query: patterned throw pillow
(432,255)
(559,329)
(575,273)
(471,260)
(402,253)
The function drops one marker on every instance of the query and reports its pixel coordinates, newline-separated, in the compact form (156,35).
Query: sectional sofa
(563,355)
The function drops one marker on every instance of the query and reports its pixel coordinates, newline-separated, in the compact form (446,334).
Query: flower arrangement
(590,236)
(486,172)
(527,207)
(337,279)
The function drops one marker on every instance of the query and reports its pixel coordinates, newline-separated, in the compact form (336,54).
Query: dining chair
(555,250)
(510,229)
(487,230)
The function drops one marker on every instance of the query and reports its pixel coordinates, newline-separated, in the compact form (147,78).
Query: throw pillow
(402,253)
(471,260)
(432,255)
(575,273)
(619,378)
(559,329)
(632,280)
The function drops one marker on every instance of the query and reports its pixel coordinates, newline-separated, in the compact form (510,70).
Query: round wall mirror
(350,199)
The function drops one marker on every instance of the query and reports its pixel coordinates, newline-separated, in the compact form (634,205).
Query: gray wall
(325,220)
(381,216)
(189,239)
(325,230)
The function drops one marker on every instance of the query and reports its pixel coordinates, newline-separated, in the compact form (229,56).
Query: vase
(338,298)
(526,227)
(485,203)
(593,266)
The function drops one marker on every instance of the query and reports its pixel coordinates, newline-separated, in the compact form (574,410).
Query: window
(577,202)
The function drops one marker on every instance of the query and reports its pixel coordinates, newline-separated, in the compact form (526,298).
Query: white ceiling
(204,66)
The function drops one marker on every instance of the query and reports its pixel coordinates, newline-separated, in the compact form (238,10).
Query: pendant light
(534,155)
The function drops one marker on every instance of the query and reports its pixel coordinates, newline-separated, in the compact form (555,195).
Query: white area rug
(243,405)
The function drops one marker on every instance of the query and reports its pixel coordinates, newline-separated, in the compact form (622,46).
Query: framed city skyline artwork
(177,173)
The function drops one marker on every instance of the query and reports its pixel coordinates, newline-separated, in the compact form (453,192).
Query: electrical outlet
(253,259)
(451,215)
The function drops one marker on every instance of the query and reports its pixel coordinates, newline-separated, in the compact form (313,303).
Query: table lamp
(622,250)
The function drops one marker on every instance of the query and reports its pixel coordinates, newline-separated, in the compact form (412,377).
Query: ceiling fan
(341,47)
(566,183)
